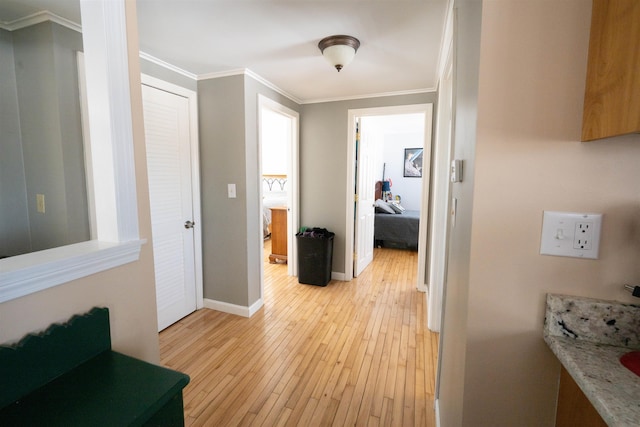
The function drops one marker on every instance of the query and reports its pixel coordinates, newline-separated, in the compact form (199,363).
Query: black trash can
(315,254)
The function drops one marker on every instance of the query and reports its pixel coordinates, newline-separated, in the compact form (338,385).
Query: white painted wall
(399,131)
(409,188)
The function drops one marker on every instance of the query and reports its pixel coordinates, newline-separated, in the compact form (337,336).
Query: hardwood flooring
(350,353)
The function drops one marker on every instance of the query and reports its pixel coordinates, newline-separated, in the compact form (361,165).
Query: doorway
(170,120)
(278,141)
(355,155)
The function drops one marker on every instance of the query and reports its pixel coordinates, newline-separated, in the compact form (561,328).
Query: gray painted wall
(14,216)
(222,161)
(453,339)
(40,127)
(408,188)
(229,153)
(66,44)
(323,163)
(162,73)
(50,137)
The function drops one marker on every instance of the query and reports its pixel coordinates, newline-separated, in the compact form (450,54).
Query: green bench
(69,376)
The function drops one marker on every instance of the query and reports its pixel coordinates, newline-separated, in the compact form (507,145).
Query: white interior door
(167,132)
(367,142)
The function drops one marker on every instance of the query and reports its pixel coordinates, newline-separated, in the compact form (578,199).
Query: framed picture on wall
(413,162)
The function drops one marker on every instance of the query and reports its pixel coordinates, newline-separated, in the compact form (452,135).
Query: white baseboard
(436,404)
(238,310)
(338,276)
(255,307)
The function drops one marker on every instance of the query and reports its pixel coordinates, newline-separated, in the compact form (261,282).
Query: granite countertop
(588,336)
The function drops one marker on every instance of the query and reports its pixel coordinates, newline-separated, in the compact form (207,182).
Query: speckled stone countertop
(588,336)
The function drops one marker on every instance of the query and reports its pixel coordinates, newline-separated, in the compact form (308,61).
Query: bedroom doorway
(278,140)
(414,120)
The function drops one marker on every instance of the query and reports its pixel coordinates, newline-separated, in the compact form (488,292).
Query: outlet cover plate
(571,234)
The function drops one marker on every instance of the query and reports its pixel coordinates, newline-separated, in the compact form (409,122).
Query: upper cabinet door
(612,96)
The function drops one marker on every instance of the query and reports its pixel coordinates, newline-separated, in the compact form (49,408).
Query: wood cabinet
(574,408)
(611,101)
(278,235)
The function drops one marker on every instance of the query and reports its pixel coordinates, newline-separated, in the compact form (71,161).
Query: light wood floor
(350,353)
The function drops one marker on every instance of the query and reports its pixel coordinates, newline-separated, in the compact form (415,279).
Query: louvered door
(166,119)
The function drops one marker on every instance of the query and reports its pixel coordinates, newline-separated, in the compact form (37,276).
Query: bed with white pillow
(396,227)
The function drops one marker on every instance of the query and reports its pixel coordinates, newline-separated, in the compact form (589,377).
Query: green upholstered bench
(69,376)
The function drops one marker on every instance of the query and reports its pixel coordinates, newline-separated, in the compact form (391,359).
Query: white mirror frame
(118,242)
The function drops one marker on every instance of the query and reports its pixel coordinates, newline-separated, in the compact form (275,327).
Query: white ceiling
(277,40)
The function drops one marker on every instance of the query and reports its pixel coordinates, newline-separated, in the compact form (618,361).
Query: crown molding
(37,18)
(161,63)
(270,85)
(267,83)
(249,73)
(219,74)
(370,95)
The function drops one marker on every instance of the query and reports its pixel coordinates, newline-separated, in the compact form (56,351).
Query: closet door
(166,120)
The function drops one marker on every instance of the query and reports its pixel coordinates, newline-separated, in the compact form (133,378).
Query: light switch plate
(571,234)
(456,170)
(40,203)
(231,191)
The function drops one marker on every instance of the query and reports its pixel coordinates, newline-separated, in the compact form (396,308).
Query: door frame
(353,114)
(192,97)
(293,199)
(440,223)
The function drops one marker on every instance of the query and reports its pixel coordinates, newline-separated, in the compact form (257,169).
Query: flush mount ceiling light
(339,50)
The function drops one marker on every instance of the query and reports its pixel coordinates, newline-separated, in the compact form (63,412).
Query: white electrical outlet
(583,237)
(571,234)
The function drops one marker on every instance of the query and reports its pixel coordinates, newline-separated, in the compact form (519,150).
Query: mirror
(110,117)
(43,190)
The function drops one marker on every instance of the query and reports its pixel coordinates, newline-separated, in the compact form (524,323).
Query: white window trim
(118,242)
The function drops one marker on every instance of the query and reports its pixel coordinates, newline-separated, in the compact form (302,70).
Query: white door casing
(423,252)
(175,220)
(293,218)
(439,236)
(425,109)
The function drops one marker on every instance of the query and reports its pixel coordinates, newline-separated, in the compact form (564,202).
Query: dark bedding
(397,230)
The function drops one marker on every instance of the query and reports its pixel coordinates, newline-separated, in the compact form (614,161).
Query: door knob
(189,224)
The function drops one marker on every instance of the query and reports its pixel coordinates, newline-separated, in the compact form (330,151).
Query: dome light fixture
(339,50)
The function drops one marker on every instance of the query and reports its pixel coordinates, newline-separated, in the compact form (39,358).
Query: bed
(397,230)
(393,229)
